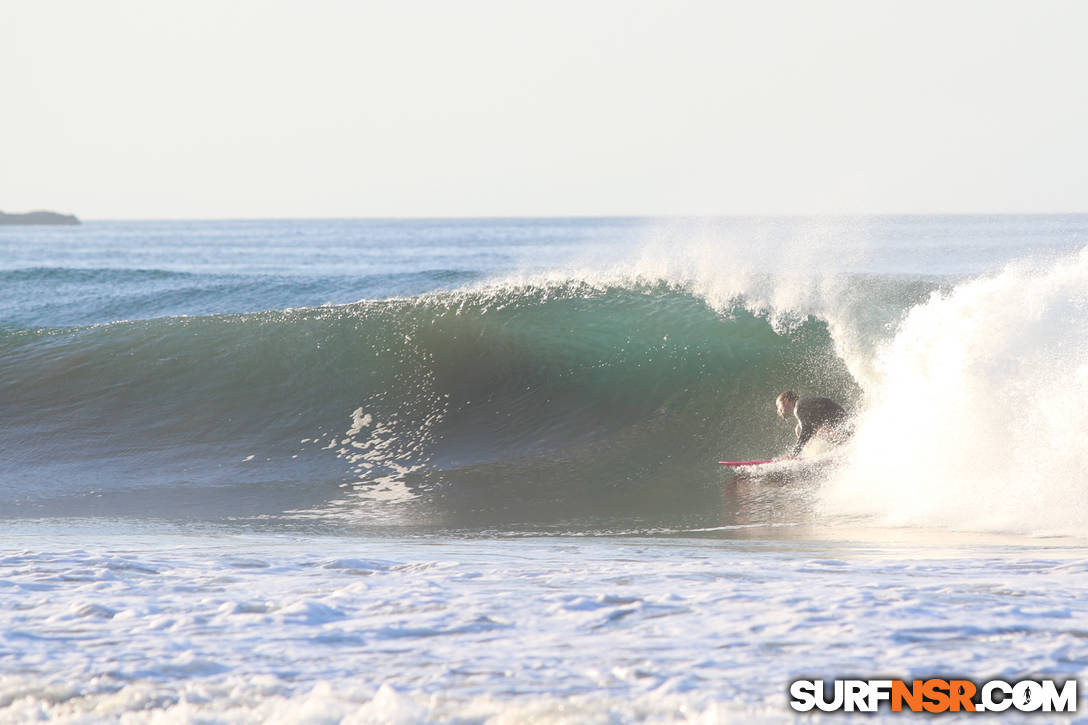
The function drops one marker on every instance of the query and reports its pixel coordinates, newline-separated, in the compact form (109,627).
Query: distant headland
(38,217)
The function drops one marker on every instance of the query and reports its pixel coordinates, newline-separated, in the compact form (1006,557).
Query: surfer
(814,416)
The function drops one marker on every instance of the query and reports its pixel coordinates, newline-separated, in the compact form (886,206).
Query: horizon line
(499,217)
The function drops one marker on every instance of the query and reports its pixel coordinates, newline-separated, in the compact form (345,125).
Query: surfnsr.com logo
(934,695)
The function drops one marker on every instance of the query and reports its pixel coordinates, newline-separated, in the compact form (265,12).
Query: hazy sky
(273,108)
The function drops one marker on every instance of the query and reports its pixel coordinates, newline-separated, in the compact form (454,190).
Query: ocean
(465,470)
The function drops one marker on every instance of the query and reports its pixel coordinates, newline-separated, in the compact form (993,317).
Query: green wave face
(509,404)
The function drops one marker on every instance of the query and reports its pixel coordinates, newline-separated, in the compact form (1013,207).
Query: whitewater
(465,470)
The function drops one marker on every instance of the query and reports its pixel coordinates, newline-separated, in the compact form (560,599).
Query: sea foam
(977,418)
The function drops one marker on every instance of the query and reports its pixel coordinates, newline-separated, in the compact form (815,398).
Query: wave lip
(77,296)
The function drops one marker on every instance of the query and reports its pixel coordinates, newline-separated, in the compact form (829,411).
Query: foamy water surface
(169,627)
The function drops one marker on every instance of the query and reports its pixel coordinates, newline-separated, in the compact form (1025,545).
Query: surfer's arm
(804,434)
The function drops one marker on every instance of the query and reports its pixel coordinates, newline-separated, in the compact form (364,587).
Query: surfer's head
(785,403)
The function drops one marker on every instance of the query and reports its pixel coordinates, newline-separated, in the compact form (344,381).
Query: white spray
(979,416)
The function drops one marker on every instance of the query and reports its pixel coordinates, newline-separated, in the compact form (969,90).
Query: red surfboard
(734,464)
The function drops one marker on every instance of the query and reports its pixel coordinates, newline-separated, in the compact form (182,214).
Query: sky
(413,108)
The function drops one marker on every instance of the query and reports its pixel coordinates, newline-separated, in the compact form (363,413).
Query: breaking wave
(548,399)
(567,398)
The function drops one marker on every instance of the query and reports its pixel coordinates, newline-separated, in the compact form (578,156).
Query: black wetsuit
(813,414)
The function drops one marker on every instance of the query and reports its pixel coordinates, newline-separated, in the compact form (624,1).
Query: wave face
(517,403)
